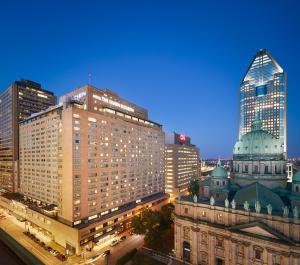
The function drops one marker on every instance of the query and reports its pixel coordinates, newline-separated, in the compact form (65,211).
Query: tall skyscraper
(251,217)
(181,163)
(17,103)
(263,93)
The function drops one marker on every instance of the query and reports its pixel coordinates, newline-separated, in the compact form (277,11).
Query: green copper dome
(296,177)
(258,142)
(257,192)
(219,171)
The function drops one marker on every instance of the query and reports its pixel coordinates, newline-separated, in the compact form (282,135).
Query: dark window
(297,189)
(258,254)
(219,261)
(186,251)
(266,169)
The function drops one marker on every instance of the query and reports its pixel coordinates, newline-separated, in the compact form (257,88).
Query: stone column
(246,253)
(233,251)
(227,250)
(211,248)
(269,259)
(194,245)
(177,240)
(294,259)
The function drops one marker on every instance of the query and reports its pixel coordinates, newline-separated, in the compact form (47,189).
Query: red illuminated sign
(182,137)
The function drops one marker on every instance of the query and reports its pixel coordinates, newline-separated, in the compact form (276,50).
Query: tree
(167,211)
(194,187)
(156,226)
(137,226)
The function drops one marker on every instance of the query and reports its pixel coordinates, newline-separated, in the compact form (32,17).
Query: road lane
(121,249)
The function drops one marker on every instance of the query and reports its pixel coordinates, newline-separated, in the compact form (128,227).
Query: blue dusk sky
(182,60)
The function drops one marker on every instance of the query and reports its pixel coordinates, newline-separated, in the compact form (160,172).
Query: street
(134,241)
(15,228)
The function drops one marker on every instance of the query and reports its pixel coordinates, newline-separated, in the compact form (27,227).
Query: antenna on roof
(89,78)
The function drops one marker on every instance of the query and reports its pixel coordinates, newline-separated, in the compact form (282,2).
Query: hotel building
(181,163)
(263,91)
(17,103)
(92,161)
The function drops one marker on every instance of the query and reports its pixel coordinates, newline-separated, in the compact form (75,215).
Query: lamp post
(107,256)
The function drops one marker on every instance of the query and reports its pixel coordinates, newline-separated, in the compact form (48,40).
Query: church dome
(296,177)
(219,171)
(258,142)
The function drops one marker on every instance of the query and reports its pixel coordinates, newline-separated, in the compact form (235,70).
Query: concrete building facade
(181,163)
(92,161)
(17,103)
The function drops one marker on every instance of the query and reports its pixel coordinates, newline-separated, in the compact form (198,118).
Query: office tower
(181,163)
(263,93)
(96,158)
(17,103)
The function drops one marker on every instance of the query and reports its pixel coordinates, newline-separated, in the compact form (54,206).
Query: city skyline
(154,66)
(149,132)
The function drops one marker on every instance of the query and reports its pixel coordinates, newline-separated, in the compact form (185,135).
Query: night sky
(182,60)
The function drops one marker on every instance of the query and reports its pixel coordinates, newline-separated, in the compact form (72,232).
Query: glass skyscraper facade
(17,103)
(263,93)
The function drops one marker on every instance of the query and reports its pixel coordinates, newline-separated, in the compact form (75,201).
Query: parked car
(106,253)
(49,248)
(114,243)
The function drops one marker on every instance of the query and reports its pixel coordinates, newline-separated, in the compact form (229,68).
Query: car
(122,238)
(49,248)
(114,243)
(61,257)
(106,253)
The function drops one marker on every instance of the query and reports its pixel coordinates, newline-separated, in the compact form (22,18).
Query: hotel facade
(89,164)
(181,163)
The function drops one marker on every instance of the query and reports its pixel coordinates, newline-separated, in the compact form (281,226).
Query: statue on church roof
(296,212)
(257,207)
(269,209)
(212,201)
(285,211)
(226,203)
(246,206)
(195,198)
(233,204)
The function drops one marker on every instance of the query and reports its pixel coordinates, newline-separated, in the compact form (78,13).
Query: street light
(107,256)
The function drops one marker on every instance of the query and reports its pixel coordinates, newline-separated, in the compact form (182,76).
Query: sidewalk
(164,258)
(16,228)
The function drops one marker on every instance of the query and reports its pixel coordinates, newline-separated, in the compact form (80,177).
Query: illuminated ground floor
(80,239)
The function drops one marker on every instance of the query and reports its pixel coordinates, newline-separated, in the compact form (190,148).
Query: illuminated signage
(113,103)
(182,137)
(80,96)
